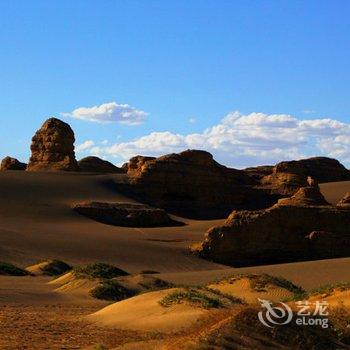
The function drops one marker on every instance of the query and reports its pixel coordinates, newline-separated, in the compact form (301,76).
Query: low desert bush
(111,290)
(192,296)
(55,268)
(99,270)
(11,270)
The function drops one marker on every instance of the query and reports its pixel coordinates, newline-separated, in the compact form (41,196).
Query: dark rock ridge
(259,172)
(53,148)
(287,177)
(303,227)
(126,214)
(98,165)
(193,184)
(9,163)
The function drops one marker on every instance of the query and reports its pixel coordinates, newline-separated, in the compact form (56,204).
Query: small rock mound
(305,196)
(125,214)
(98,165)
(9,163)
(53,148)
(344,203)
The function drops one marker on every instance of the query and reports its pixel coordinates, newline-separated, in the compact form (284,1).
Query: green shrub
(192,296)
(330,287)
(111,290)
(260,282)
(12,270)
(55,268)
(99,270)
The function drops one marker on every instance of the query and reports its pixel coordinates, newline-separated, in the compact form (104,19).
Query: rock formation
(193,184)
(344,203)
(288,177)
(98,165)
(134,166)
(125,214)
(9,163)
(259,172)
(53,148)
(305,196)
(299,228)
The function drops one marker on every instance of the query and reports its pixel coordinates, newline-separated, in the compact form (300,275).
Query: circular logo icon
(274,315)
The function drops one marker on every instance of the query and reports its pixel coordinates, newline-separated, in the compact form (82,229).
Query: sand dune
(334,191)
(144,312)
(337,298)
(49,229)
(242,288)
(36,227)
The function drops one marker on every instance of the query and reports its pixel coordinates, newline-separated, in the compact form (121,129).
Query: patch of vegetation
(192,296)
(155,284)
(12,270)
(340,322)
(55,268)
(231,298)
(329,288)
(99,270)
(111,290)
(100,347)
(260,282)
(324,289)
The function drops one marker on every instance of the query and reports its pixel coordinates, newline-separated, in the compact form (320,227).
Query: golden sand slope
(334,298)
(71,285)
(242,289)
(144,312)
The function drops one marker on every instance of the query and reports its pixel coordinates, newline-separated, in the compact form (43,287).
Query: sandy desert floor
(37,223)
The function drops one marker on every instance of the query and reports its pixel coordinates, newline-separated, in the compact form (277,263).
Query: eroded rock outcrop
(193,184)
(344,203)
(53,148)
(299,228)
(98,165)
(287,177)
(259,172)
(305,196)
(125,214)
(134,166)
(9,163)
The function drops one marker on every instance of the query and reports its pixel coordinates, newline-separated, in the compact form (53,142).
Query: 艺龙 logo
(308,314)
(274,315)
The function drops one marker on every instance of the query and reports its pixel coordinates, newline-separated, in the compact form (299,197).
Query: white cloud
(192,120)
(109,112)
(244,140)
(84,146)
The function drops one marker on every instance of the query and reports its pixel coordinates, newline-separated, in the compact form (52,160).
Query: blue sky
(185,67)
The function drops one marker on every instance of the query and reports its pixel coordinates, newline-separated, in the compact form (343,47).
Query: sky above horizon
(253,82)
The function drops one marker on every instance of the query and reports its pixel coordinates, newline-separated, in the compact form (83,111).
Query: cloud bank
(108,113)
(240,140)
